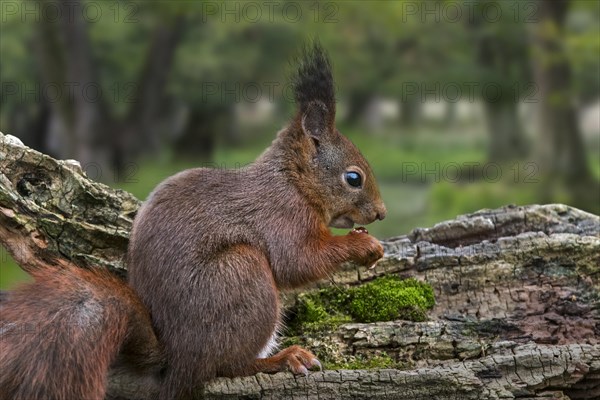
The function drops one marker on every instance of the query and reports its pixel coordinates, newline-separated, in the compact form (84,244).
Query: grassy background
(420,198)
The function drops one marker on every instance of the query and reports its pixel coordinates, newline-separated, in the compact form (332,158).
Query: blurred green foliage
(10,273)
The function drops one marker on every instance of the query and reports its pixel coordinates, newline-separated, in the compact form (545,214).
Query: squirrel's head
(332,171)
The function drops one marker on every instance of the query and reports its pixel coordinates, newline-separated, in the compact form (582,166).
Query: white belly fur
(272,344)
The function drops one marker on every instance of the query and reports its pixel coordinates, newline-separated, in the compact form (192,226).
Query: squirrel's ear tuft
(314,88)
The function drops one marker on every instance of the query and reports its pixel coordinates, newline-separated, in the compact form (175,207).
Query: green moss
(321,311)
(384,299)
(312,311)
(287,341)
(390,298)
(318,312)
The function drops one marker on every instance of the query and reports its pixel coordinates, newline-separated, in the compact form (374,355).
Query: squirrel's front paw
(369,249)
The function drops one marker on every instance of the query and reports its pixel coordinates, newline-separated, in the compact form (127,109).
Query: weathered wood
(527,371)
(65,213)
(517,293)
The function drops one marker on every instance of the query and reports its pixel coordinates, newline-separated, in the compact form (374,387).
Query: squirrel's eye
(353,178)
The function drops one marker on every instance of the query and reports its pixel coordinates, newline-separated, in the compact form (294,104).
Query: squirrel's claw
(299,360)
(310,365)
(317,363)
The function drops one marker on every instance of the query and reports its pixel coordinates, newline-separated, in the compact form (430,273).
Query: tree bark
(64,214)
(517,313)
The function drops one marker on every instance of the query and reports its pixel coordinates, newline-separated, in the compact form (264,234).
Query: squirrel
(209,252)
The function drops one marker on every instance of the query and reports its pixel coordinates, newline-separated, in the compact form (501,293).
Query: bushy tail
(60,334)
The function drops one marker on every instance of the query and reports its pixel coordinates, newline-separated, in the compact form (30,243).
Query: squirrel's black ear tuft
(313,81)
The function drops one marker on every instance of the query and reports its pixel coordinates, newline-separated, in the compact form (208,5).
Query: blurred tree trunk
(198,139)
(50,51)
(559,145)
(357,102)
(507,141)
(225,123)
(140,131)
(498,57)
(88,116)
(64,54)
(410,111)
(88,131)
(451,114)
(30,123)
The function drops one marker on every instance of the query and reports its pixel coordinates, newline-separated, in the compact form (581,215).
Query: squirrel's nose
(381,212)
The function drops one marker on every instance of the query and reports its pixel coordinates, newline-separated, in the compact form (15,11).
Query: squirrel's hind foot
(294,359)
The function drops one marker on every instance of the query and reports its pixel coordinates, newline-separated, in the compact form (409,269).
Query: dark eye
(353,178)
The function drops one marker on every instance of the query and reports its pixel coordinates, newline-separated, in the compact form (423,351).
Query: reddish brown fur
(60,334)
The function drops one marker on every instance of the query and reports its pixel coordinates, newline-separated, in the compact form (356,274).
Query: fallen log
(527,371)
(517,293)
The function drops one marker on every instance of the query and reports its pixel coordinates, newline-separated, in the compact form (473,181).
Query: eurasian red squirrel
(209,251)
